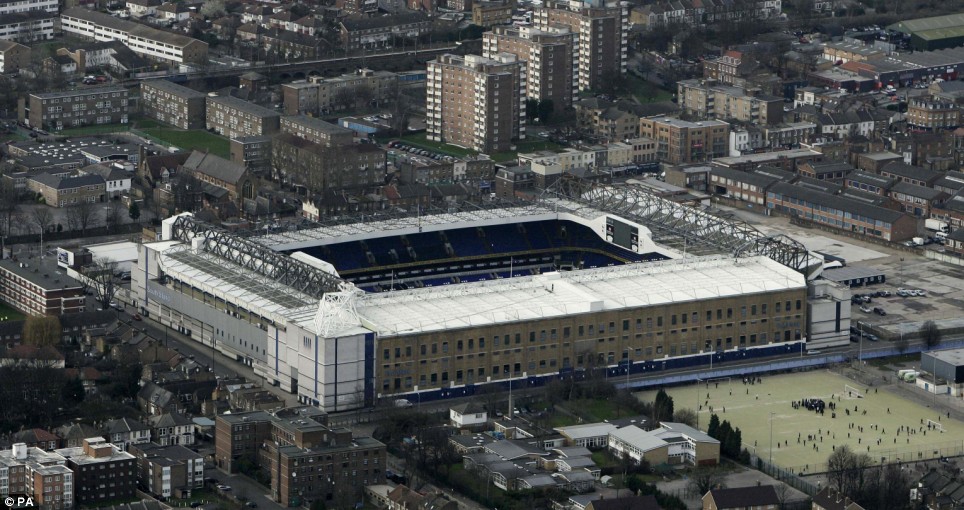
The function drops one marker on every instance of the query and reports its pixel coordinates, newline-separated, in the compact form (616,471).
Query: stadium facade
(501,313)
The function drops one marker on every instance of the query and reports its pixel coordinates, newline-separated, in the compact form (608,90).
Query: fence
(765,367)
(786,475)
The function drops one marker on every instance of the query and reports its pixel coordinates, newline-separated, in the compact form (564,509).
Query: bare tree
(43,218)
(213,9)
(103,279)
(363,96)
(82,215)
(42,331)
(685,415)
(113,214)
(705,478)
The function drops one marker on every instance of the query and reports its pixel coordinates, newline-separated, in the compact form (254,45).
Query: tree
(662,407)
(8,205)
(685,415)
(545,110)
(343,98)
(81,216)
(362,96)
(713,429)
(42,217)
(102,274)
(845,471)
(134,211)
(73,391)
(702,479)
(213,9)
(930,334)
(402,106)
(532,109)
(112,214)
(43,331)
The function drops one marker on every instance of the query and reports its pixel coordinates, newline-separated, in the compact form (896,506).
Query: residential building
(830,498)
(467,416)
(840,212)
(933,114)
(68,191)
(253,153)
(28,26)
(464,170)
(488,14)
(316,131)
(382,31)
(476,102)
(54,111)
(670,443)
(74,434)
(13,57)
(315,167)
(151,43)
(759,497)
(548,58)
(873,162)
(710,100)
(44,476)
(124,432)
(102,472)
(166,471)
(117,179)
(789,135)
(318,95)
(36,438)
(35,287)
(730,68)
(679,141)
(171,429)
(869,182)
(173,104)
(286,444)
(357,6)
(602,28)
(234,118)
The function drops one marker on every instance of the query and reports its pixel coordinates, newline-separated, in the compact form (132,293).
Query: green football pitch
(872,425)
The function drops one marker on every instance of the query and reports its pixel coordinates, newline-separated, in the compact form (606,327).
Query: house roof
(469,408)
(31,436)
(915,190)
(647,502)
(902,169)
(743,497)
(837,202)
(124,425)
(169,420)
(62,183)
(355,24)
(215,167)
(511,449)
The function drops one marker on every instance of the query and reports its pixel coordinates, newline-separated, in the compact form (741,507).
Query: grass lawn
(419,140)
(190,140)
(879,412)
(7,313)
(647,92)
(94,130)
(147,124)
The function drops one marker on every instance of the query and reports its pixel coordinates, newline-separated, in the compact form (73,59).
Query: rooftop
(174,88)
(81,92)
(561,294)
(244,106)
(43,273)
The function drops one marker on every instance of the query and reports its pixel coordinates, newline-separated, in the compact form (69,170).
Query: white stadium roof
(559,294)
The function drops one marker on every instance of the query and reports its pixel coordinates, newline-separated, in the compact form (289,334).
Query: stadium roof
(221,278)
(560,294)
(353,228)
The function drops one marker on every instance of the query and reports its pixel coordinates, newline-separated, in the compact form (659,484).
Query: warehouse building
(933,33)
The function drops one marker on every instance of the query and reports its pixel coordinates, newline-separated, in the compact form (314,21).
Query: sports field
(877,424)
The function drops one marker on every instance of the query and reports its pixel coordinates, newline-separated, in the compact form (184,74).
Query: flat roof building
(102,472)
(143,40)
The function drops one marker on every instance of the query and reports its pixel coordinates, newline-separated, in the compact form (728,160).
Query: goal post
(718,380)
(934,425)
(852,392)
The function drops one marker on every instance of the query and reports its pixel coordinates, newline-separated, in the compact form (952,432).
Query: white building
(671,443)
(468,415)
(588,435)
(141,39)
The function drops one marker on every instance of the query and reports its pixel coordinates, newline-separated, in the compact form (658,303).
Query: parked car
(865,309)
(919,292)
(879,311)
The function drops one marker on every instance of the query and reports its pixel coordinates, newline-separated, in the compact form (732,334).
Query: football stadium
(437,303)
